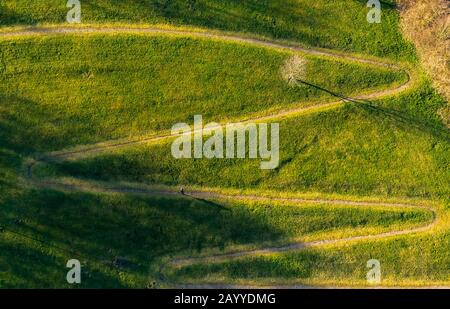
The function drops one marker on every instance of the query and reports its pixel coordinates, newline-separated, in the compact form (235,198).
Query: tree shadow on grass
(100,228)
(435,129)
(28,128)
(218,206)
(253,16)
(32,266)
(8,17)
(50,11)
(243,16)
(21,125)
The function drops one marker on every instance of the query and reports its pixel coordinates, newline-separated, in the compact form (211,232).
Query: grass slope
(416,260)
(103,87)
(340,24)
(390,148)
(357,150)
(98,228)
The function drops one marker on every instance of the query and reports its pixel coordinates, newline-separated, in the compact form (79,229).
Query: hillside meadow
(72,90)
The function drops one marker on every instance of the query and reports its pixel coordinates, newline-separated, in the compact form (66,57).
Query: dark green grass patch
(41,230)
(338,24)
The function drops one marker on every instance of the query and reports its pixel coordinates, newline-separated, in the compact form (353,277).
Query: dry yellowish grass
(426,23)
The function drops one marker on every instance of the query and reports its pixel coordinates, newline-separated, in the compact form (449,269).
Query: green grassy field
(98,228)
(63,91)
(339,24)
(355,150)
(413,260)
(93,91)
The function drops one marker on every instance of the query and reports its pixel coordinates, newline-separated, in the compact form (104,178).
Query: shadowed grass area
(43,229)
(340,24)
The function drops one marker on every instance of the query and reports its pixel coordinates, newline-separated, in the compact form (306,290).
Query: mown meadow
(358,150)
(102,87)
(45,228)
(59,91)
(340,24)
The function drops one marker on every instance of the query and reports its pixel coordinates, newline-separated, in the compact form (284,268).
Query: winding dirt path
(95,149)
(138,189)
(87,150)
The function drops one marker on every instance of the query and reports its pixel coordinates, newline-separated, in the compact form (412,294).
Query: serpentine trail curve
(94,149)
